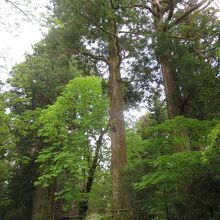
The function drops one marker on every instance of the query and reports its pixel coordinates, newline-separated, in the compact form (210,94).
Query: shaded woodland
(69,146)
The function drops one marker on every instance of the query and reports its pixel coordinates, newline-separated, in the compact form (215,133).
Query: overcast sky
(18,33)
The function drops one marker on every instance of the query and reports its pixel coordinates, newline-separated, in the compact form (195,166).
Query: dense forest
(69,145)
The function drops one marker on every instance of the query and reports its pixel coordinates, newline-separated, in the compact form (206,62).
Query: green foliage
(215,134)
(39,80)
(100,196)
(179,134)
(172,170)
(6,145)
(34,84)
(70,128)
(5,135)
(170,162)
(173,165)
(189,48)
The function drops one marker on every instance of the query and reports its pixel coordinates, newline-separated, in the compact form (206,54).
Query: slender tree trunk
(43,203)
(84,205)
(121,196)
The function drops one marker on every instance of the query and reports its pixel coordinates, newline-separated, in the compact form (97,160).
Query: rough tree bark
(171,91)
(170,87)
(164,19)
(120,193)
(121,200)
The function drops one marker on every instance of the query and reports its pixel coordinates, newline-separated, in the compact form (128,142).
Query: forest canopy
(68,149)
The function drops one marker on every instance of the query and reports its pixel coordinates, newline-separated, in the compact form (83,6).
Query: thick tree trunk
(170,86)
(163,20)
(171,92)
(43,203)
(173,103)
(120,193)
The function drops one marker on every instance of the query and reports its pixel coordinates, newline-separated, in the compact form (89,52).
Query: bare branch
(23,12)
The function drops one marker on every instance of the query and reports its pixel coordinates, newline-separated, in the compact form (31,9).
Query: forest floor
(94,216)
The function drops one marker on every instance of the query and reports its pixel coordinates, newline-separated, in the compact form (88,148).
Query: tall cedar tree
(96,26)
(166,16)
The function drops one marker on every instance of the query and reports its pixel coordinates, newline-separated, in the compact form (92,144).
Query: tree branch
(95,159)
(146,7)
(23,12)
(131,32)
(187,12)
(96,57)
(182,38)
(105,31)
(98,26)
(205,51)
(205,6)
(171,9)
(175,2)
